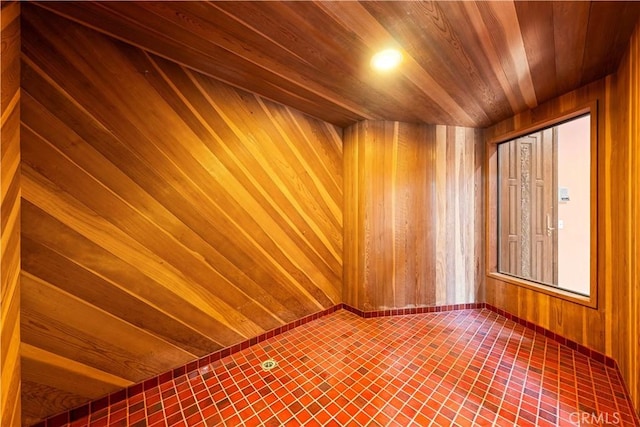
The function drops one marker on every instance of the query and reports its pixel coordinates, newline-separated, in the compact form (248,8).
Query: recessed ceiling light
(386,60)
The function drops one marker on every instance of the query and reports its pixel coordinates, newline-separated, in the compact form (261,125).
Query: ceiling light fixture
(386,60)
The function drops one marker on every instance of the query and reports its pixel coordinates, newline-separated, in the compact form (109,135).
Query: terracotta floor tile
(463,368)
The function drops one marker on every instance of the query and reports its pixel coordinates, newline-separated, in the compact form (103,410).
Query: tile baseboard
(193,367)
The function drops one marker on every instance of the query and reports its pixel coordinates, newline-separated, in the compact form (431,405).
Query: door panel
(528,215)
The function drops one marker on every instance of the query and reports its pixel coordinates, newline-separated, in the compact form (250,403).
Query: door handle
(549,227)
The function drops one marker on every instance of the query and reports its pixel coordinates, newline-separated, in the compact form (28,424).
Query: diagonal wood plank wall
(10,217)
(165,215)
(413,215)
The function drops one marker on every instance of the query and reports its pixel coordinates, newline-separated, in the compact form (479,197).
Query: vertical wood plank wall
(624,328)
(165,215)
(573,321)
(413,206)
(611,328)
(10,217)
(459,215)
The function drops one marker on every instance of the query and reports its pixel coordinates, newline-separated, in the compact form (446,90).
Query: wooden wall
(413,209)
(165,214)
(612,327)
(624,328)
(573,321)
(10,216)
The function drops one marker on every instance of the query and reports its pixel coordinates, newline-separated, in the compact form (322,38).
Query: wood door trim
(491,206)
(545,289)
(564,116)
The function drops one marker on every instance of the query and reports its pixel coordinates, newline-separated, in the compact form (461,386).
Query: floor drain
(268,365)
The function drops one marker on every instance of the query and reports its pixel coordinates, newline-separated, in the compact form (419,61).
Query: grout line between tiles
(285,334)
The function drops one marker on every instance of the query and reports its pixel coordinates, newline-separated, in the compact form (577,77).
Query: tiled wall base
(602,358)
(562,340)
(118,396)
(415,310)
(99,404)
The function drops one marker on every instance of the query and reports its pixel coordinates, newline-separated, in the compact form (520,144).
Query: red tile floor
(457,368)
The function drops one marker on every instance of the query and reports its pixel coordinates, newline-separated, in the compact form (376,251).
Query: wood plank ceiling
(466,63)
(140,172)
